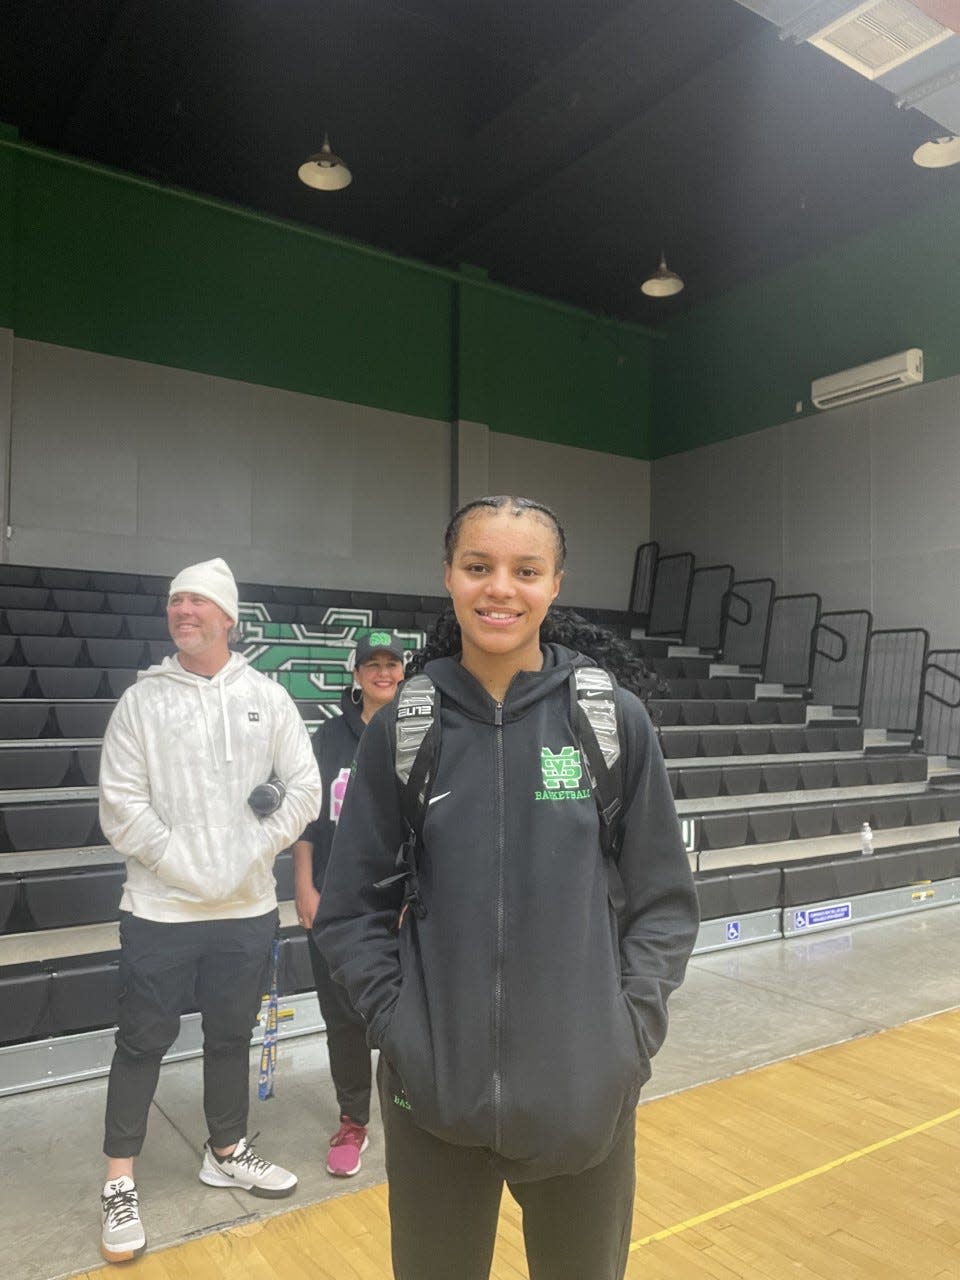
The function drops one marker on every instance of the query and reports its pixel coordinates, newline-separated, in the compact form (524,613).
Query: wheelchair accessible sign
(818,917)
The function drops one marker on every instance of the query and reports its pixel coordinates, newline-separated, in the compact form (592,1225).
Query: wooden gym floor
(843,1162)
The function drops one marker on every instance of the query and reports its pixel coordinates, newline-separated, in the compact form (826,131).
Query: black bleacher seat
(24,721)
(718,742)
(368,600)
(730,711)
(82,719)
(88,763)
(12,597)
(763,712)
(781,776)
(405,604)
(851,773)
(697,711)
(9,650)
(742,780)
(330,596)
(51,651)
(115,582)
(680,744)
(665,711)
(924,809)
(950,807)
(848,818)
(17,575)
(435,604)
(295,971)
(752,742)
(249,592)
(424,621)
(788,740)
(120,679)
(34,622)
(848,738)
(135,602)
(64,579)
(104,625)
(151,584)
(64,825)
(284,612)
(883,770)
(770,826)
(143,627)
(682,688)
(710,687)
(396,619)
(83,996)
(811,821)
(26,767)
(817,774)
(116,653)
(24,998)
(741,687)
(14,681)
(157,650)
(738,892)
(887,812)
(819,737)
(78,601)
(67,682)
(723,830)
(65,899)
(9,898)
(912,768)
(697,784)
(292,595)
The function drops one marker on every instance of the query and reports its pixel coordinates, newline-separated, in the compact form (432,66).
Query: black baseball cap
(379,642)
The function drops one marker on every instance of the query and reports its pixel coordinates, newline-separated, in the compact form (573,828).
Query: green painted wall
(105,262)
(742,361)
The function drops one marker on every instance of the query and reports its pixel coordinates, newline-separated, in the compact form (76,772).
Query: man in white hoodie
(185,748)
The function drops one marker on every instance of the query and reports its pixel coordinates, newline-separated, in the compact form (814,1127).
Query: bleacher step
(775,691)
(796,799)
(783,851)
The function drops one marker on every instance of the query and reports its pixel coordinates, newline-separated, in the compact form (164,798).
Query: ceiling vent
(874,38)
(866,380)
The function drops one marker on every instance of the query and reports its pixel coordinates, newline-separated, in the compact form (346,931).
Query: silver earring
(356,695)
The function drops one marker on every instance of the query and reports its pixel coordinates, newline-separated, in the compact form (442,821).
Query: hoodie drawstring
(227,745)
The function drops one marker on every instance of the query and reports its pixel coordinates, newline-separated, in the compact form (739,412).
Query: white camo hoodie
(181,754)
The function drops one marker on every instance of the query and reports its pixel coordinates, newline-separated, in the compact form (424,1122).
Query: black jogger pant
(445,1199)
(220,967)
(346,1042)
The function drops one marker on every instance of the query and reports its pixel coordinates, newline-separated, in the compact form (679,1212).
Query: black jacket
(335,745)
(515,1016)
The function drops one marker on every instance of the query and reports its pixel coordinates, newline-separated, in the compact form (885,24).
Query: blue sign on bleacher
(813,916)
(733,930)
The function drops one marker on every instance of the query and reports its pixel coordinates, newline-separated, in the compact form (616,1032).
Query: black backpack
(593,704)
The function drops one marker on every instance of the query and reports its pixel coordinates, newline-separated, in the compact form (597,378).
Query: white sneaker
(245,1169)
(122,1237)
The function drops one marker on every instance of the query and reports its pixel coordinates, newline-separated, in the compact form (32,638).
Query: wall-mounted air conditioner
(874,379)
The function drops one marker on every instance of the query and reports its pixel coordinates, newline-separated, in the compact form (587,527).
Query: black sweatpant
(220,967)
(346,1042)
(445,1200)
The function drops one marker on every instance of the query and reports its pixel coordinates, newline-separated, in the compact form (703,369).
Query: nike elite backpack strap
(594,713)
(417,753)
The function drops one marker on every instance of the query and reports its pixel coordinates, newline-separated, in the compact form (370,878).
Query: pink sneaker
(346,1147)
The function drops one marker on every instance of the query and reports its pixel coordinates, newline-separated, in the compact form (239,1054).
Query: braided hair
(560,626)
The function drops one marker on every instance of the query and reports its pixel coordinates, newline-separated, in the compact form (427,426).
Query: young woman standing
(378,669)
(515,1010)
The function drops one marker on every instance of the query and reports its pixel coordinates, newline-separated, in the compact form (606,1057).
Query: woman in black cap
(378,669)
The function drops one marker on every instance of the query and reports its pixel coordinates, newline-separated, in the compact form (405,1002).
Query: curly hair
(517,507)
(560,626)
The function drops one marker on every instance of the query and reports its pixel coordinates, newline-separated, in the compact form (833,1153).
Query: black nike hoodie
(518,1013)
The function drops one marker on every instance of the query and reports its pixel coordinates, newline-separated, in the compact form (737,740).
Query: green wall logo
(562,772)
(313,662)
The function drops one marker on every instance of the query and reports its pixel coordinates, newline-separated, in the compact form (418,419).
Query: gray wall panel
(602,500)
(858,504)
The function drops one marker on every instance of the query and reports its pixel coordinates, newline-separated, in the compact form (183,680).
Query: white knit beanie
(213,580)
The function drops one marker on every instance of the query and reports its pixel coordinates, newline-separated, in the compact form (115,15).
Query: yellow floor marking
(666,1232)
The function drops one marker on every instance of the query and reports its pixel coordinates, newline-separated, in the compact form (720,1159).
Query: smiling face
(377,680)
(502,577)
(200,629)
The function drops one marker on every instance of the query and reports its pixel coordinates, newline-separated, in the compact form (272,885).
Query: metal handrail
(842,656)
(730,596)
(662,560)
(847,652)
(951,675)
(701,573)
(795,595)
(636,603)
(916,728)
(733,594)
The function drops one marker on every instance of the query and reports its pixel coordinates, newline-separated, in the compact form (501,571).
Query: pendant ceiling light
(325,171)
(663,283)
(938,153)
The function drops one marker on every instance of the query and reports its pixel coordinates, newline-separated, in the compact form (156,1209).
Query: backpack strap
(594,695)
(416,756)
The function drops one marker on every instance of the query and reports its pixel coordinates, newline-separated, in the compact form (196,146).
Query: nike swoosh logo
(441,796)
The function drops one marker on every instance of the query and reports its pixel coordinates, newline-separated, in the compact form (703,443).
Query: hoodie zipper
(498,981)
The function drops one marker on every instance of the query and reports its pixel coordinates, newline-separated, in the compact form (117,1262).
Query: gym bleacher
(786,729)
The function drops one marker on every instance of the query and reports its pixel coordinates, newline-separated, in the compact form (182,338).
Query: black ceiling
(556,143)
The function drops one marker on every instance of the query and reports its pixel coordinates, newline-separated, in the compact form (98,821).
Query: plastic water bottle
(866,840)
